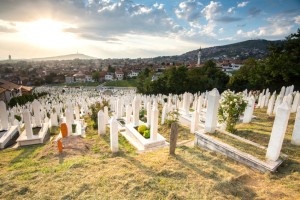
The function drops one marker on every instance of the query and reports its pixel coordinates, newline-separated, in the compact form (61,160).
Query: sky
(138,28)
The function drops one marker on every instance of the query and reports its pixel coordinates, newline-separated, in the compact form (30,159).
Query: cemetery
(86,144)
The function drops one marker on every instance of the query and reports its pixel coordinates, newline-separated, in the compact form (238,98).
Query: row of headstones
(132,117)
(278,130)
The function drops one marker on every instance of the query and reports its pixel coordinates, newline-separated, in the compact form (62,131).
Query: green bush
(142,128)
(146,134)
(21,100)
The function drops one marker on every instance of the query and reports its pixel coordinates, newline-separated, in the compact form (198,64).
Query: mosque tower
(199,57)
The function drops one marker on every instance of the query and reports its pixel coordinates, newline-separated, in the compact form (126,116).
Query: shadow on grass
(217,163)
(208,175)
(256,137)
(25,153)
(236,187)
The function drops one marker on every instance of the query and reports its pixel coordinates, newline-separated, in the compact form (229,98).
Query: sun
(47,33)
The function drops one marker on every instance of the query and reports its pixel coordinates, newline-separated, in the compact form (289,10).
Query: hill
(89,170)
(242,50)
(66,57)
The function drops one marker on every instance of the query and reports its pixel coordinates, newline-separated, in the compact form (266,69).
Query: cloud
(211,10)
(231,10)
(221,30)
(228,19)
(297,19)
(6,27)
(278,27)
(254,12)
(242,4)
(189,10)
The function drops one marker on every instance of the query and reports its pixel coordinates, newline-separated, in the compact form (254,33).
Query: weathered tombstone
(101,123)
(69,121)
(106,114)
(249,110)
(194,121)
(262,102)
(148,114)
(136,110)
(3,116)
(296,102)
(271,105)
(163,115)
(212,111)
(154,124)
(277,103)
(296,131)
(128,114)
(37,113)
(77,114)
(173,137)
(114,145)
(27,122)
(53,118)
(199,104)
(119,108)
(278,131)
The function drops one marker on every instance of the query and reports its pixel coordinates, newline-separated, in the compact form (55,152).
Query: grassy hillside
(122,83)
(87,170)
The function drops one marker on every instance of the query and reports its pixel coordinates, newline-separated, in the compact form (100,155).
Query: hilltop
(242,50)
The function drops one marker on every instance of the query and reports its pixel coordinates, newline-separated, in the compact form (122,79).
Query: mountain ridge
(65,57)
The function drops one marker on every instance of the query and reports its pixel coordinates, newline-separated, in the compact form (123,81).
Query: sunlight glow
(47,33)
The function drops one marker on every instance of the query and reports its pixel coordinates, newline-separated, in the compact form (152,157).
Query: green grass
(122,83)
(94,84)
(39,172)
(240,145)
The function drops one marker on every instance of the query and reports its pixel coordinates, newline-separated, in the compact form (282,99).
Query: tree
(95,76)
(281,67)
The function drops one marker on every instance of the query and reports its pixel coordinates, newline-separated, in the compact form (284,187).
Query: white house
(79,77)
(109,76)
(88,78)
(119,75)
(133,74)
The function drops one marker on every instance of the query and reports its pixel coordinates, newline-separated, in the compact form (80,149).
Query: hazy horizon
(138,28)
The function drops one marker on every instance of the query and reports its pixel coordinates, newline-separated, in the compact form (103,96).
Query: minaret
(199,57)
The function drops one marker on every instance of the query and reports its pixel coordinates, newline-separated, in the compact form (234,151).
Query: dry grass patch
(193,173)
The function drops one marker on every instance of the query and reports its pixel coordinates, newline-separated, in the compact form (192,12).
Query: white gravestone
(195,121)
(128,114)
(101,123)
(296,131)
(114,145)
(154,124)
(3,116)
(136,110)
(212,111)
(278,131)
(249,110)
(27,122)
(163,115)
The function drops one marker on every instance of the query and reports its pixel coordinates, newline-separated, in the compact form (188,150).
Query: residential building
(109,76)
(119,75)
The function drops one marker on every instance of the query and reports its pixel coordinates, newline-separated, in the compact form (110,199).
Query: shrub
(95,109)
(146,134)
(142,115)
(231,107)
(172,117)
(142,129)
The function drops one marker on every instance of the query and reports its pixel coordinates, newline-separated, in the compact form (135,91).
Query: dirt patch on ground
(72,145)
